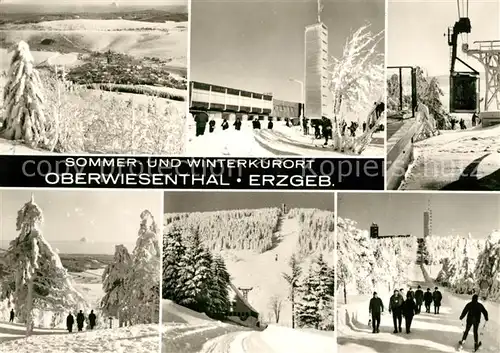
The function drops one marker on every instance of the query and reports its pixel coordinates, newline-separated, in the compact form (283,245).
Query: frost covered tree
(41,283)
(173,250)
(23,98)
(143,280)
(218,296)
(308,306)
(488,266)
(324,291)
(114,280)
(293,281)
(357,80)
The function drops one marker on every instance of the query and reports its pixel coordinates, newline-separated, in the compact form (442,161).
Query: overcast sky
(402,213)
(259,45)
(98,216)
(416,32)
(200,201)
(100,2)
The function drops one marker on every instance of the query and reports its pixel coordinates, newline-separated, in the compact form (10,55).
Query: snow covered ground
(445,161)
(430,333)
(185,331)
(133,339)
(281,140)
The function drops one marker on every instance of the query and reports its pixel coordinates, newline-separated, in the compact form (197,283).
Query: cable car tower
(464,86)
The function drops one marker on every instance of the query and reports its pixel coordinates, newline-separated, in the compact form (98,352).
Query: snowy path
(430,333)
(456,160)
(9,331)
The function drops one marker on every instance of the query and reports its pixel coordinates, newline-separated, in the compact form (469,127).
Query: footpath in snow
(456,160)
(430,333)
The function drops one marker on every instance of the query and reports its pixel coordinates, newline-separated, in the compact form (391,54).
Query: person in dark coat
(379,109)
(428,300)
(201,120)
(12,315)
(270,124)
(419,299)
(327,128)
(317,131)
(225,124)
(364,126)
(305,126)
(395,307)
(437,297)
(80,320)
(375,309)
(473,310)
(211,126)
(92,319)
(69,322)
(237,124)
(411,293)
(409,309)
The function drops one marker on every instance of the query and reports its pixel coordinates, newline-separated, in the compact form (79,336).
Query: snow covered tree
(143,281)
(114,280)
(293,281)
(41,283)
(488,266)
(324,292)
(23,98)
(275,304)
(308,306)
(357,80)
(173,250)
(219,301)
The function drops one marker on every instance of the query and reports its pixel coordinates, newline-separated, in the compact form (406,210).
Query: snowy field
(185,331)
(281,140)
(430,333)
(446,161)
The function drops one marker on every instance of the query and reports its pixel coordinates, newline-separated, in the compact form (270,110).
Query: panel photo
(79,271)
(418,272)
(443,95)
(87,76)
(295,78)
(248,272)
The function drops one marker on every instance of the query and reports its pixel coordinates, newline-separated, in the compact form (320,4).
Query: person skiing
(12,314)
(419,298)
(395,306)
(428,300)
(69,322)
(437,297)
(473,310)
(92,319)
(375,309)
(80,320)
(408,310)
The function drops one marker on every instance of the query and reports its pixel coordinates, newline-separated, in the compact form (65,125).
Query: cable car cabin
(464,92)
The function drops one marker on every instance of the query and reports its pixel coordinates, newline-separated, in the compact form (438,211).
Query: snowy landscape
(459,265)
(248,280)
(56,302)
(132,59)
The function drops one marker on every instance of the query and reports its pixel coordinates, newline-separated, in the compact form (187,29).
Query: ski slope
(430,333)
(133,339)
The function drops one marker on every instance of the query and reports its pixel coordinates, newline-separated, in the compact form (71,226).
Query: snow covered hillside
(366,264)
(133,339)
(430,333)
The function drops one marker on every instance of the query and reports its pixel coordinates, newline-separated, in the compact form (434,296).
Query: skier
(80,320)
(473,310)
(92,319)
(428,300)
(395,306)
(69,323)
(12,314)
(211,126)
(409,308)
(437,297)
(225,124)
(419,298)
(375,309)
(237,124)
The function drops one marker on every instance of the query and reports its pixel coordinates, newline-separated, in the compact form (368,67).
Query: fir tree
(293,282)
(114,280)
(220,303)
(143,281)
(25,119)
(40,280)
(308,307)
(173,250)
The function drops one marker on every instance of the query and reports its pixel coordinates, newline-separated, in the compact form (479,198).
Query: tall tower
(428,220)
(315,71)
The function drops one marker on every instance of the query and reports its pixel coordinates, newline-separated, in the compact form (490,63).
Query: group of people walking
(400,307)
(80,321)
